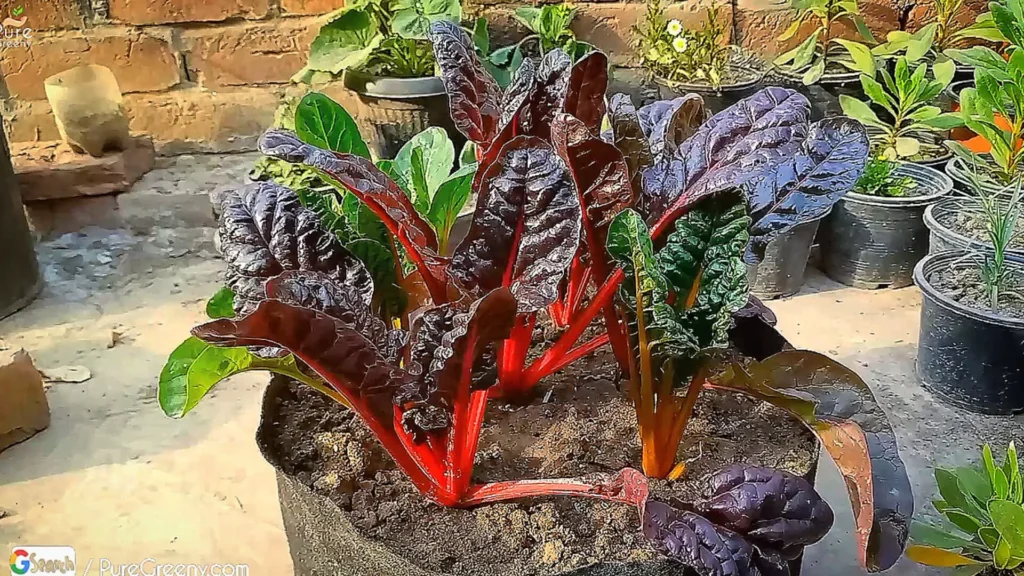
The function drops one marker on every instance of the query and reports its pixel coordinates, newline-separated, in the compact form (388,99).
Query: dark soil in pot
(393,110)
(955,224)
(587,426)
(824,94)
(739,82)
(781,271)
(990,181)
(875,242)
(970,354)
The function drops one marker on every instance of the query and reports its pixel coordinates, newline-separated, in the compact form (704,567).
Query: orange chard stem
(645,409)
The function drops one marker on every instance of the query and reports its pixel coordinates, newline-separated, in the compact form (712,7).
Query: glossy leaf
(628,136)
(925,534)
(526,227)
(548,96)
(808,178)
(448,201)
(693,541)
(584,96)
(770,507)
(667,123)
(473,95)
(322,122)
(1008,519)
(345,42)
(839,408)
(264,231)
(424,162)
(599,172)
(222,304)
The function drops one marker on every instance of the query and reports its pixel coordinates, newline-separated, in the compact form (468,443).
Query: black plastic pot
(942,238)
(824,94)
(715,100)
(18,267)
(393,110)
(323,541)
(969,358)
(958,170)
(875,242)
(781,272)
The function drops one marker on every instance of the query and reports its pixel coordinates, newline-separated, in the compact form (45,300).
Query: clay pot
(86,104)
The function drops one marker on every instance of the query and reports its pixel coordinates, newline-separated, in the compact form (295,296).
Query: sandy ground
(117,480)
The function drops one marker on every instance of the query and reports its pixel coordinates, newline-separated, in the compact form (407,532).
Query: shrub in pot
(301,305)
(982,508)
(548,27)
(875,235)
(824,62)
(972,320)
(683,61)
(381,51)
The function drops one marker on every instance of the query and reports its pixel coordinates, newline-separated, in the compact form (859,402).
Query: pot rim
(933,224)
(956,167)
(393,88)
(955,95)
(734,87)
(827,78)
(930,263)
(907,169)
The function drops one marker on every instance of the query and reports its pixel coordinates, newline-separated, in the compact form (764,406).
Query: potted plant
(983,513)
(823,62)
(683,61)
(365,479)
(875,235)
(381,51)
(972,317)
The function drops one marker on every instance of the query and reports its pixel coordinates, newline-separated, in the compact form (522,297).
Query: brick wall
(206,75)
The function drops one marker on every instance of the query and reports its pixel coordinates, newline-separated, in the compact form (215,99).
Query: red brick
(141,63)
(45,14)
(250,53)
(310,6)
(167,11)
(50,170)
(24,411)
(216,121)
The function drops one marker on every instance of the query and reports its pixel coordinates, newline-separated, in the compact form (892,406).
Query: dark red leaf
(264,231)
(375,189)
(473,94)
(584,97)
(694,541)
(599,171)
(805,186)
(628,136)
(770,507)
(526,227)
(668,123)
(548,95)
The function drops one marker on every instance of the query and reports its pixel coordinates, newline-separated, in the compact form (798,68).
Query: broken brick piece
(24,410)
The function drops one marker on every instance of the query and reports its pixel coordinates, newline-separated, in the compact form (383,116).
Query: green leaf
(388,296)
(863,60)
(921,44)
(979,57)
(944,71)
(424,162)
(860,111)
(814,73)
(954,495)
(989,536)
(801,56)
(963,521)
(481,37)
(412,18)
(530,17)
(1011,467)
(325,124)
(946,121)
(877,94)
(906,147)
(345,42)
(1008,519)
(1001,554)
(1000,484)
(929,535)
(195,367)
(974,483)
(791,30)
(863,30)
(222,304)
(468,154)
(451,196)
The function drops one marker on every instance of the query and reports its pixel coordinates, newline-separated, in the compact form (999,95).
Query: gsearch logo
(43,560)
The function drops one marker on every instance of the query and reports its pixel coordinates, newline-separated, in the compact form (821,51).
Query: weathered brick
(140,62)
(922,14)
(167,11)
(30,122)
(50,170)
(24,411)
(197,120)
(249,53)
(310,6)
(45,15)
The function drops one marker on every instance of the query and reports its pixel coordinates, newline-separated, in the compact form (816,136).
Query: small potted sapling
(876,235)
(683,61)
(971,347)
(380,50)
(982,519)
(824,62)
(389,459)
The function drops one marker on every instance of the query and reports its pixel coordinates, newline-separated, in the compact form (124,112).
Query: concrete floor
(115,479)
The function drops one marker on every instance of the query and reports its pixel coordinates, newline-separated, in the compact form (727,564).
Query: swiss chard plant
(910,122)
(381,37)
(983,518)
(823,47)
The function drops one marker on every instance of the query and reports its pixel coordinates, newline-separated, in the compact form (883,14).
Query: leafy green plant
(879,179)
(812,57)
(549,27)
(381,37)
(905,95)
(1001,214)
(1004,22)
(674,54)
(984,518)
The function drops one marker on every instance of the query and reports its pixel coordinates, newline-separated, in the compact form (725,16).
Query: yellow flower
(675,27)
(679,44)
